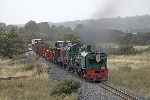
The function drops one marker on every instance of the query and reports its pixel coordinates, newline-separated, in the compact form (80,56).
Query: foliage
(65,87)
(2,27)
(28,67)
(65,33)
(72,37)
(10,44)
(14,39)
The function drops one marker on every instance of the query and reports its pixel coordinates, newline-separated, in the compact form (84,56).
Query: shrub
(65,87)
(28,67)
(10,44)
(125,69)
(123,50)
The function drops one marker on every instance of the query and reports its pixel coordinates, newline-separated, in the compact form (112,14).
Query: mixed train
(75,57)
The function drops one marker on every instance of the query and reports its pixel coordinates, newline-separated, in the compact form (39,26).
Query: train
(77,58)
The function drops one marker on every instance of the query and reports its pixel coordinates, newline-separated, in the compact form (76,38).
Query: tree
(44,27)
(2,27)
(11,28)
(72,37)
(126,39)
(10,44)
(31,26)
(32,29)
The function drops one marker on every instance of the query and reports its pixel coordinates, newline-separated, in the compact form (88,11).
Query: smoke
(123,8)
(108,8)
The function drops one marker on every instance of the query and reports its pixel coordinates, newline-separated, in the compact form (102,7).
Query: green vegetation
(49,33)
(65,87)
(14,40)
(10,44)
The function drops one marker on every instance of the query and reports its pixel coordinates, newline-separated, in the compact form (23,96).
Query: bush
(125,69)
(28,67)
(65,87)
(10,44)
(123,50)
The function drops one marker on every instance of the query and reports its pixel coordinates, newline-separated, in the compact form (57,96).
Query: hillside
(108,29)
(92,30)
(126,24)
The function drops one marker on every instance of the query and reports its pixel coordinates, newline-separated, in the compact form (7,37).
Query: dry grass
(131,72)
(35,87)
(136,80)
(134,61)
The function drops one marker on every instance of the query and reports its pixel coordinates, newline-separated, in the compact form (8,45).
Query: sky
(22,11)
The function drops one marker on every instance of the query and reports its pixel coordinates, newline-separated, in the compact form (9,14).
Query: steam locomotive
(75,57)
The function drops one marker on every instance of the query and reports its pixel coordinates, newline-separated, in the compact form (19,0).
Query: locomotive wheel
(70,69)
(79,72)
(64,66)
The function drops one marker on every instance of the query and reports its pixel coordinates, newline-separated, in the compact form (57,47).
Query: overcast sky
(21,11)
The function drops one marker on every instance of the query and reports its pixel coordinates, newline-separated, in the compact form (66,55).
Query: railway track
(124,95)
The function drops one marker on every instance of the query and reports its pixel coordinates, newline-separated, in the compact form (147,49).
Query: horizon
(80,20)
(22,11)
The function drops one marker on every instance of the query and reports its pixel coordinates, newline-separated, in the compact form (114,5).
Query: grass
(136,80)
(134,61)
(36,87)
(131,72)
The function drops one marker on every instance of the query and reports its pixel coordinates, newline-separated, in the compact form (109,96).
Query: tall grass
(136,80)
(35,87)
(131,72)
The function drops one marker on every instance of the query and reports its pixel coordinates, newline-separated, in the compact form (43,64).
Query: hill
(126,24)
(108,29)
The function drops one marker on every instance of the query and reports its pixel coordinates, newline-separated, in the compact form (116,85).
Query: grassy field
(133,61)
(131,72)
(34,87)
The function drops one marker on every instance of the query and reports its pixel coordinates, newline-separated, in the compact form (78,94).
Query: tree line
(15,39)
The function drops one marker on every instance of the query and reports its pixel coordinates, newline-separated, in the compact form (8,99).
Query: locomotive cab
(94,66)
